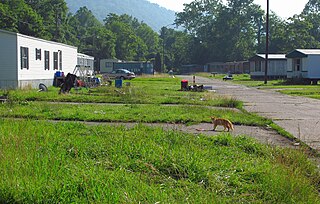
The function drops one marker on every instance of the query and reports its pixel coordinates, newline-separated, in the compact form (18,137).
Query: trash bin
(58,79)
(118,83)
(184,85)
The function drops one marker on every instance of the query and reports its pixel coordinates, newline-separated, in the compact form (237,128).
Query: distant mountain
(150,13)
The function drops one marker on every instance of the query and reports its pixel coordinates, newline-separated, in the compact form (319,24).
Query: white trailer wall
(313,66)
(36,72)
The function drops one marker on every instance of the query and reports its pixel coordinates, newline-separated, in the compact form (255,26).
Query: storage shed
(304,64)
(28,61)
(277,66)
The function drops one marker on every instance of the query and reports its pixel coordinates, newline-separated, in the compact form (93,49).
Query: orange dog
(220,121)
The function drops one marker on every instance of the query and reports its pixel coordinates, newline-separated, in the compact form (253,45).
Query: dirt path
(298,115)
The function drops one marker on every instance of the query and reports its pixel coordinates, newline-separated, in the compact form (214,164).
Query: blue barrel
(118,83)
(57,74)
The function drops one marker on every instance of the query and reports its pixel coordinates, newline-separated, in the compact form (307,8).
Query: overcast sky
(283,8)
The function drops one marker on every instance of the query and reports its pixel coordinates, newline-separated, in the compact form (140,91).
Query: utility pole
(164,33)
(267,46)
(163,44)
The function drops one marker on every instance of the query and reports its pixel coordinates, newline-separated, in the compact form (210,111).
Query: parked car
(122,74)
(228,77)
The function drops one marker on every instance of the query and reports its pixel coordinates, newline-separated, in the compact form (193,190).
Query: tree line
(211,31)
(237,30)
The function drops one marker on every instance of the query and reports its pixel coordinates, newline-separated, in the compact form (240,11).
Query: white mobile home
(85,60)
(29,61)
(277,66)
(304,64)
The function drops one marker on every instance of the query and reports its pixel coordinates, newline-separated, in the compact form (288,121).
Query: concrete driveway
(297,115)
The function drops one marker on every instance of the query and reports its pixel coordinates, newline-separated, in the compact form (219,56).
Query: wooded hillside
(150,13)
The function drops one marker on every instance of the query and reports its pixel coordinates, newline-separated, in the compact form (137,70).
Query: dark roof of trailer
(302,53)
(262,57)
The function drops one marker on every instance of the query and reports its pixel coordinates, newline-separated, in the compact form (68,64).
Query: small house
(277,66)
(28,61)
(304,64)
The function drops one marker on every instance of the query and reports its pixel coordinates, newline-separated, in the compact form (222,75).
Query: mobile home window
(55,60)
(38,54)
(46,60)
(109,64)
(257,66)
(296,64)
(24,57)
(60,60)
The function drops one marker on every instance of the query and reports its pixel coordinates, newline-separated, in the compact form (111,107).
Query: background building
(277,66)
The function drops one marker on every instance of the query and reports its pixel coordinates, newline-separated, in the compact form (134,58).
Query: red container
(184,85)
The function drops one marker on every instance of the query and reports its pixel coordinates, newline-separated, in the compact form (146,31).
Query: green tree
(92,37)
(313,6)
(311,13)
(7,19)
(198,15)
(149,37)
(55,17)
(128,45)
(143,43)
(84,24)
(18,16)
(102,44)
(176,47)
(278,37)
(298,33)
(227,32)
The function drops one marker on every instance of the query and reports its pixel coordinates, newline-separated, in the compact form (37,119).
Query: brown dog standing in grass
(220,121)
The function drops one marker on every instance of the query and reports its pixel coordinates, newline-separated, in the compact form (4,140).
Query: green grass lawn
(42,162)
(146,113)
(70,162)
(282,86)
(311,92)
(141,91)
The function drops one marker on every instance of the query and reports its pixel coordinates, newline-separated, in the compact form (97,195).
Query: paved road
(298,115)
